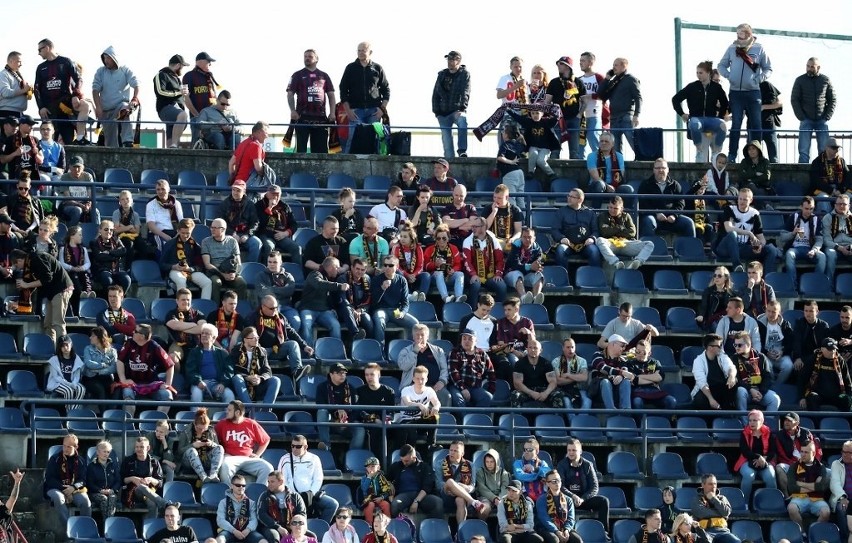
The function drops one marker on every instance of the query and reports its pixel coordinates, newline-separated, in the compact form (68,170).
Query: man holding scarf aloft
(554,513)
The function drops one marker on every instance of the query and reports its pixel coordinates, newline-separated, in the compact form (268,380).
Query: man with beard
(390,300)
(320,296)
(219,124)
(244,442)
(184,324)
(461,217)
(228,321)
(65,479)
(15,92)
(441,182)
(170,97)
(369,247)
(308,91)
(374,393)
(625,101)
(338,392)
(842,333)
(241,217)
(567,91)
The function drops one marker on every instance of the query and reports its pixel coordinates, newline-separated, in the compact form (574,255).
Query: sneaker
(449,299)
(478,505)
(213,478)
(360,334)
(82,142)
(322,446)
(527,298)
(413,296)
(634,265)
(739,269)
(462,298)
(538,298)
(462,154)
(619,265)
(305,370)
(128,144)
(421,296)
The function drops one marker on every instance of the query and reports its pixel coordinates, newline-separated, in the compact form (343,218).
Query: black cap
(177,59)
(6,219)
(10,120)
(792,416)
(204,56)
(338,368)
(829,343)
(26,119)
(75,160)
(453,54)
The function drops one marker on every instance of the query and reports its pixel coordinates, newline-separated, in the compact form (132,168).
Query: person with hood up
(236,515)
(669,510)
(745,65)
(492,480)
(111,92)
(754,172)
(567,91)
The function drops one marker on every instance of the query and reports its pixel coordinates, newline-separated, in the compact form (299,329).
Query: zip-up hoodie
(740,76)
(492,484)
(723,175)
(114,86)
(224,523)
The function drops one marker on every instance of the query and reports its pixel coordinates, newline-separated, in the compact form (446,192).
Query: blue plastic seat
(83,530)
(586,428)
(151,176)
(556,280)
(270,423)
(485,184)
(661,250)
(339,492)
(117,176)
(824,531)
(769,501)
(329,467)
(843,285)
(669,283)
(537,313)
(715,463)
(38,346)
(622,429)
(87,427)
(617,500)
(688,249)
(647,497)
(513,427)
(435,530)
(680,392)
(668,466)
(665,356)
(688,355)
(191,178)
(90,308)
(699,280)
(146,273)
(318,526)
(692,429)
(472,527)
(201,526)
(454,311)
(563,185)
(783,285)
(739,505)
(212,494)
(544,220)
(151,526)
(834,430)
(355,459)
(160,309)
(300,422)
(648,315)
(625,528)
(250,271)
(603,314)
(550,428)
(180,492)
(303,180)
(623,465)
(303,236)
(204,305)
(365,351)
(591,279)
(425,314)
(659,429)
(9,347)
(121,530)
(338,180)
(361,528)
(331,350)
(815,285)
(379,183)
(401,530)
(448,429)
(223,179)
(747,530)
(485,430)
(551,349)
(308,388)
(12,421)
(397,345)
(23,384)
(681,320)
(785,529)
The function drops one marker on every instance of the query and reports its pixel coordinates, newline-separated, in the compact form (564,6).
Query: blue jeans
(683,226)
(286,245)
(729,248)
(222,141)
(572,131)
(252,246)
(381,318)
(198,395)
(290,350)
(806,127)
(456,280)
(697,126)
(266,392)
(624,393)
(499,288)
(365,115)
(72,215)
(346,314)
(770,401)
(794,253)
(621,125)
(590,253)
(770,137)
(355,434)
(592,133)
(479,397)
(106,279)
(783,367)
(748,473)
(327,318)
(446,123)
(326,506)
(585,401)
(743,103)
(421,283)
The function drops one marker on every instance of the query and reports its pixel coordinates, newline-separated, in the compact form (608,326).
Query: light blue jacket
(740,76)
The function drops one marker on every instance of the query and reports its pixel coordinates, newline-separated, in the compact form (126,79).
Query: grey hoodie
(741,76)
(225,523)
(113,86)
(491,485)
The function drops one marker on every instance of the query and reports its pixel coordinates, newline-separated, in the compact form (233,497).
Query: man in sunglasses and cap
(450,98)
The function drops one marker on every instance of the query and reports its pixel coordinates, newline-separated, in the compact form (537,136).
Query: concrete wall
(359,166)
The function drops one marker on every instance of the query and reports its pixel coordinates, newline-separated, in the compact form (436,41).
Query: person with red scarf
(65,480)
(228,321)
(444,263)
(410,255)
(757,454)
(276,508)
(554,513)
(606,168)
(162,213)
(484,262)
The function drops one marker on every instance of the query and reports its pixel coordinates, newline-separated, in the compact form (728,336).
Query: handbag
(400,144)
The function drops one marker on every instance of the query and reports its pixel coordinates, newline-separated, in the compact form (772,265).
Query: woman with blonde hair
(685,529)
(715,298)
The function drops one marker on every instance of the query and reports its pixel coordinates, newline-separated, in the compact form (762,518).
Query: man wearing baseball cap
(609,374)
(337,391)
(170,95)
(516,515)
(441,182)
(566,91)
(827,382)
(202,90)
(788,447)
(449,103)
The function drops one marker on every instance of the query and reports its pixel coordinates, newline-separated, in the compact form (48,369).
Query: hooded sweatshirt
(114,86)
(718,181)
(492,484)
(749,168)
(226,522)
(738,73)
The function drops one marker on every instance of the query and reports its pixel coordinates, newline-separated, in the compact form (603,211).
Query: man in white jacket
(841,489)
(715,377)
(302,472)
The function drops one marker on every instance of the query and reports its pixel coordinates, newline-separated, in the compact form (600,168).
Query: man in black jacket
(670,217)
(414,492)
(240,215)
(41,271)
(276,506)
(364,91)
(808,333)
(580,481)
(449,103)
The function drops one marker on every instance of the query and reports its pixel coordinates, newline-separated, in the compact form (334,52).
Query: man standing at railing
(364,91)
(219,124)
(622,91)
(307,93)
(449,103)
(111,93)
(813,103)
(201,93)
